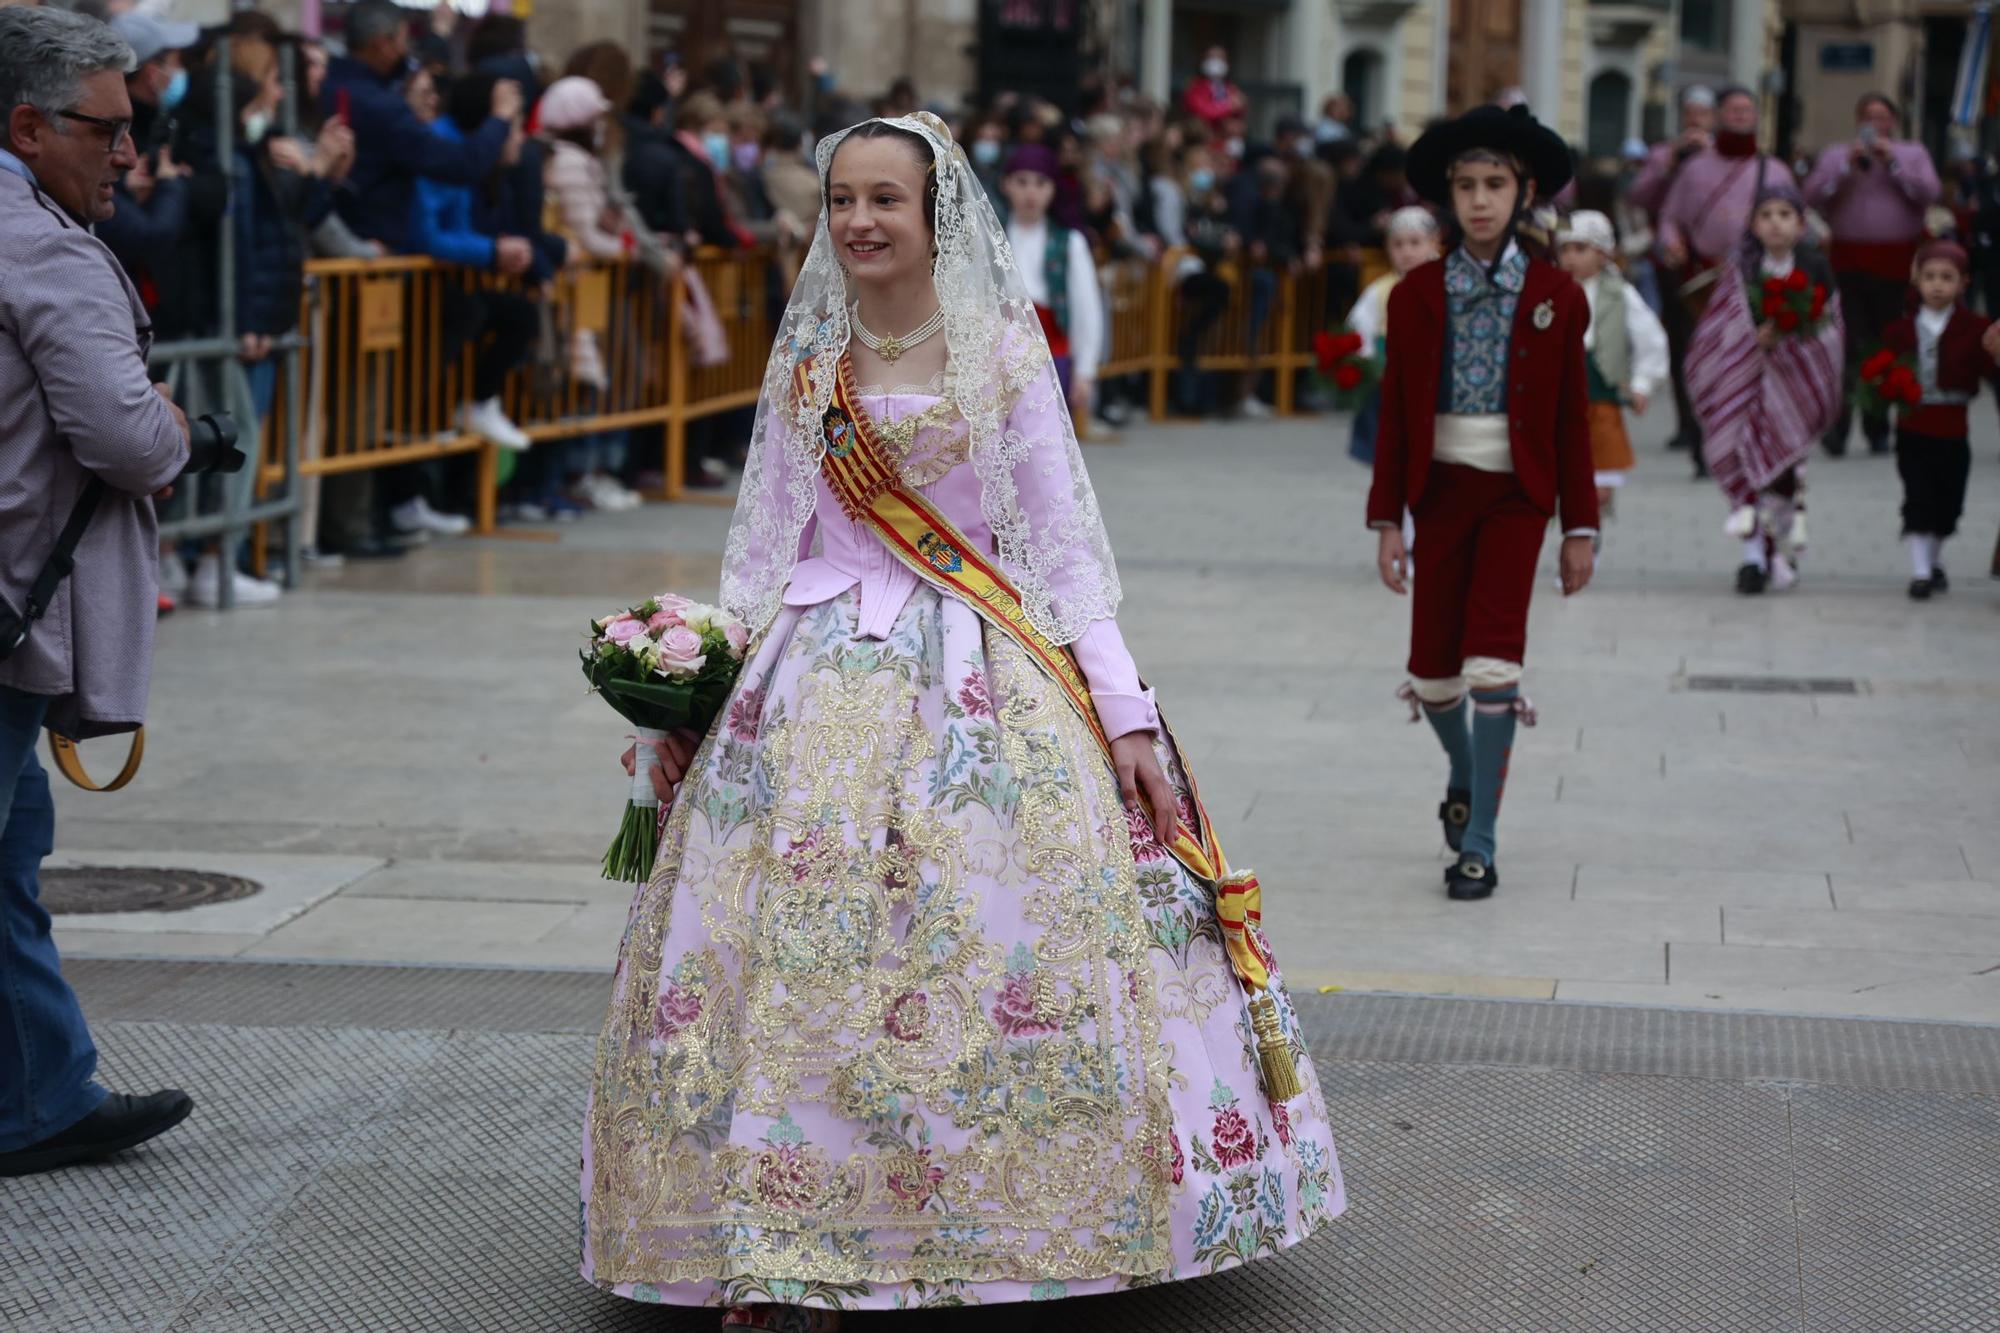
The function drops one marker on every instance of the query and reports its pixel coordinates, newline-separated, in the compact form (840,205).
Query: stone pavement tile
(1807,967)
(1468,951)
(74,940)
(1957,999)
(290,886)
(492,881)
(587,938)
(417,930)
(1601,883)
(1912,932)
(1542,913)
(1963,897)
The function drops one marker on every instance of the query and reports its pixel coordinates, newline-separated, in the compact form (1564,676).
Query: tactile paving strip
(340,1178)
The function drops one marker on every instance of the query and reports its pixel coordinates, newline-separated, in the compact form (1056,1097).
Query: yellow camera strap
(70,764)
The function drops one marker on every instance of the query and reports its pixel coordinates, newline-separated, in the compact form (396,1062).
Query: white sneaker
(173,576)
(1783,573)
(205,588)
(1252,408)
(530,512)
(416,515)
(1742,521)
(486,420)
(606,492)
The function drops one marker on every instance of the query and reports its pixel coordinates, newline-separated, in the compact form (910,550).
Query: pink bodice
(850,555)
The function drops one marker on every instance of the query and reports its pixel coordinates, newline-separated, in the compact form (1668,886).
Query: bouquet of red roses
(1342,366)
(667,664)
(1886,381)
(1795,303)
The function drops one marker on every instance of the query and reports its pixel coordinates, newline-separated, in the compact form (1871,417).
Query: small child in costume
(1412,242)
(1485,436)
(1060,274)
(1766,383)
(1625,349)
(1945,340)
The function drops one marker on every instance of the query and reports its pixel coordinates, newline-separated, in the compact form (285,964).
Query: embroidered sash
(864,480)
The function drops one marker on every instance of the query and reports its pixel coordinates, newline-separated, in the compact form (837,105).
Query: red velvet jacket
(1547,403)
(1962,362)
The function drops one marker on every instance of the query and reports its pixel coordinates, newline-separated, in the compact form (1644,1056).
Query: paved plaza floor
(1717,1057)
(404,756)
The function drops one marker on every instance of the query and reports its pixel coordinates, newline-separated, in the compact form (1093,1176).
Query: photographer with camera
(86,443)
(1873,193)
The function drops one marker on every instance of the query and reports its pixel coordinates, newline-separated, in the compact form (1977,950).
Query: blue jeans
(46,1056)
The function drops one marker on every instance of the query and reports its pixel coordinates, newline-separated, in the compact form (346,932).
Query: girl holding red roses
(1764,373)
(1934,361)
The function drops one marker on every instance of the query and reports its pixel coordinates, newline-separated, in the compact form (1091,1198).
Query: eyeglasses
(120,130)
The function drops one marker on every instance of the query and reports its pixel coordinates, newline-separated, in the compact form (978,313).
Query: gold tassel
(1274,1053)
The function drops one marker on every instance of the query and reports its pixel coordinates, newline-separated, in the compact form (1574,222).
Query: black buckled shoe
(1939,583)
(120,1121)
(1455,812)
(1471,879)
(1921,590)
(1750,580)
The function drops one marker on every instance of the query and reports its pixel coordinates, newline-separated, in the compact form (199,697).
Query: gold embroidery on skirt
(849,901)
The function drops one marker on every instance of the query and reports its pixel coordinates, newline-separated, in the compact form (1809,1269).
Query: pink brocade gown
(910,1012)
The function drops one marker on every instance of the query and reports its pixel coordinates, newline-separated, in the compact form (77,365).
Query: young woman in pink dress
(918,1007)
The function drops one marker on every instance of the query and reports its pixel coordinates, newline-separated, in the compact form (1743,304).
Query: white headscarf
(1051,539)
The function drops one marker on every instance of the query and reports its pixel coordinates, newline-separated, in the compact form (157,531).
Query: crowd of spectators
(432,135)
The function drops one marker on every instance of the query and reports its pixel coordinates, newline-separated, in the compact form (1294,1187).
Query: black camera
(212,445)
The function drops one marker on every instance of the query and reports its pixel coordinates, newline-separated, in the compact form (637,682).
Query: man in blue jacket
(393,148)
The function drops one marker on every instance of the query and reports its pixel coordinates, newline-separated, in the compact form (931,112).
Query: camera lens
(212,445)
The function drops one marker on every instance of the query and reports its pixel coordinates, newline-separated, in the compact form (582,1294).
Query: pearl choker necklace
(892,347)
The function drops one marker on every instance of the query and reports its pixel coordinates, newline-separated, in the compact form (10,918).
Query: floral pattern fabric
(912,1013)
(1481,312)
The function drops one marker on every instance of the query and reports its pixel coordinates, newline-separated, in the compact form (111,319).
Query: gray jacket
(75,399)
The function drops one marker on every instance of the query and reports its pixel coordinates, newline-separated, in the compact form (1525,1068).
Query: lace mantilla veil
(1033,491)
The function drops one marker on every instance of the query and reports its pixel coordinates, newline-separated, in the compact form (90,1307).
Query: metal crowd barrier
(375,388)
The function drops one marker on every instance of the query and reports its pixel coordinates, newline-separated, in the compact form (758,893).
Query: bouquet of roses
(666,665)
(1886,381)
(1795,303)
(1343,367)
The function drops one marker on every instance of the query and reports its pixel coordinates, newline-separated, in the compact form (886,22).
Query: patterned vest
(1480,325)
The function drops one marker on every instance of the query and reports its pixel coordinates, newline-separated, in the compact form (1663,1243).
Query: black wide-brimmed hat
(1509,131)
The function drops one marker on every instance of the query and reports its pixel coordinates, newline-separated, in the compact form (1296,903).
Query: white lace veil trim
(1033,490)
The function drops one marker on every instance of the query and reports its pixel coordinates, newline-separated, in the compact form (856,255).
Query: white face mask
(1233,147)
(1215,69)
(255,126)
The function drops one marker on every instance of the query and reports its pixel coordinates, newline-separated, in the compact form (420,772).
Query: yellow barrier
(378,390)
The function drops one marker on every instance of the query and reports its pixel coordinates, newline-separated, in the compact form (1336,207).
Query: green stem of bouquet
(629,859)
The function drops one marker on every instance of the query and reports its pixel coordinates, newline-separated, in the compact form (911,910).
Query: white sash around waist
(1479,441)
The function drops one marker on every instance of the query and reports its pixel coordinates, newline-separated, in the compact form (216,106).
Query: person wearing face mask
(701,141)
(152,199)
(1212,96)
(279,189)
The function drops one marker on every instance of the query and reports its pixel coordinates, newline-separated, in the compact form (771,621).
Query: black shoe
(1471,879)
(1455,813)
(1700,468)
(1939,583)
(1920,590)
(1879,445)
(1680,442)
(1750,580)
(121,1121)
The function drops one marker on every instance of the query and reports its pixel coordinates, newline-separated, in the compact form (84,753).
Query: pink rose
(672,601)
(680,651)
(738,637)
(663,620)
(623,630)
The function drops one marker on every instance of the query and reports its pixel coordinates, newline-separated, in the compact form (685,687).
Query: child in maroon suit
(1944,339)
(1484,436)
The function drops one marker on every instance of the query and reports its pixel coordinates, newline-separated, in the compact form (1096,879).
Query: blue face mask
(176,89)
(1201,180)
(986,152)
(716,145)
